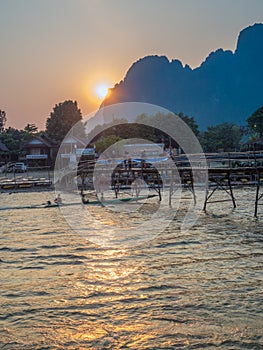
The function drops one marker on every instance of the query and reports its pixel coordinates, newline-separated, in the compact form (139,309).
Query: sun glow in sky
(95,88)
(101,90)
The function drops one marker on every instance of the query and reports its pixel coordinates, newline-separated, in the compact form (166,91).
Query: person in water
(58,200)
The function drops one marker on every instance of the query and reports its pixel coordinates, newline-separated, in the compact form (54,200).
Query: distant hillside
(228,86)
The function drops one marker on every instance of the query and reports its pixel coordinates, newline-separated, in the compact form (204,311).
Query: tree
(31,129)
(225,136)
(64,116)
(2,120)
(190,121)
(123,130)
(14,140)
(105,142)
(147,127)
(255,121)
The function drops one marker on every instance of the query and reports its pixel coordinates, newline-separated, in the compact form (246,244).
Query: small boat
(25,185)
(8,186)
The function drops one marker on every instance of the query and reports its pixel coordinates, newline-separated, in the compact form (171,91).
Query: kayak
(94,202)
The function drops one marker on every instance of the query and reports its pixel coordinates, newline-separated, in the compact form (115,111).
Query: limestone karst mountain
(226,87)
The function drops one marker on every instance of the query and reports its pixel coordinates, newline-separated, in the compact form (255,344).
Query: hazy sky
(54,50)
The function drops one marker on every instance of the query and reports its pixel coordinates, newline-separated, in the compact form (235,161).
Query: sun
(101,90)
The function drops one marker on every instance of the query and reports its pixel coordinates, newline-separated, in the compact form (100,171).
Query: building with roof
(40,151)
(72,149)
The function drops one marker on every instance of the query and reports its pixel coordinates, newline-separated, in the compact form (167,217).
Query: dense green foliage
(225,137)
(190,121)
(121,129)
(141,129)
(31,129)
(255,122)
(14,140)
(2,120)
(105,142)
(63,117)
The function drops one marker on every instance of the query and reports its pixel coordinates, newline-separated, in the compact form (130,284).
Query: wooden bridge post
(258,195)
(171,188)
(230,188)
(216,177)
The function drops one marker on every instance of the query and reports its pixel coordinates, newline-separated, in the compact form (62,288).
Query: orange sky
(55,50)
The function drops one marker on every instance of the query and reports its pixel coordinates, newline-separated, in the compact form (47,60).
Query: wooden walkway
(225,172)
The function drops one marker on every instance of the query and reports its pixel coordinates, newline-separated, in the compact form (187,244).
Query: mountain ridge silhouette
(226,87)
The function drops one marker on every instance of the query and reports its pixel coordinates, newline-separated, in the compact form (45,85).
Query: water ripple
(184,290)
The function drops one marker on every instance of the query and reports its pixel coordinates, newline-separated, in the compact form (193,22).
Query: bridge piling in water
(225,173)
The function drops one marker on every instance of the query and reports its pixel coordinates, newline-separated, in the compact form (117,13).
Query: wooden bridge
(224,172)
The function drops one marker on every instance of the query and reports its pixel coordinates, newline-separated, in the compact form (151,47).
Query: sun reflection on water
(182,290)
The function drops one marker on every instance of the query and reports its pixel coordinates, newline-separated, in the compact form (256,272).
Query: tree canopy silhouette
(225,136)
(63,117)
(31,128)
(2,120)
(255,121)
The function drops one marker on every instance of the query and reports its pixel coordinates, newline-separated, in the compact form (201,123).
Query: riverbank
(36,180)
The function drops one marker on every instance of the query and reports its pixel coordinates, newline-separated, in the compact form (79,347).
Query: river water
(195,289)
